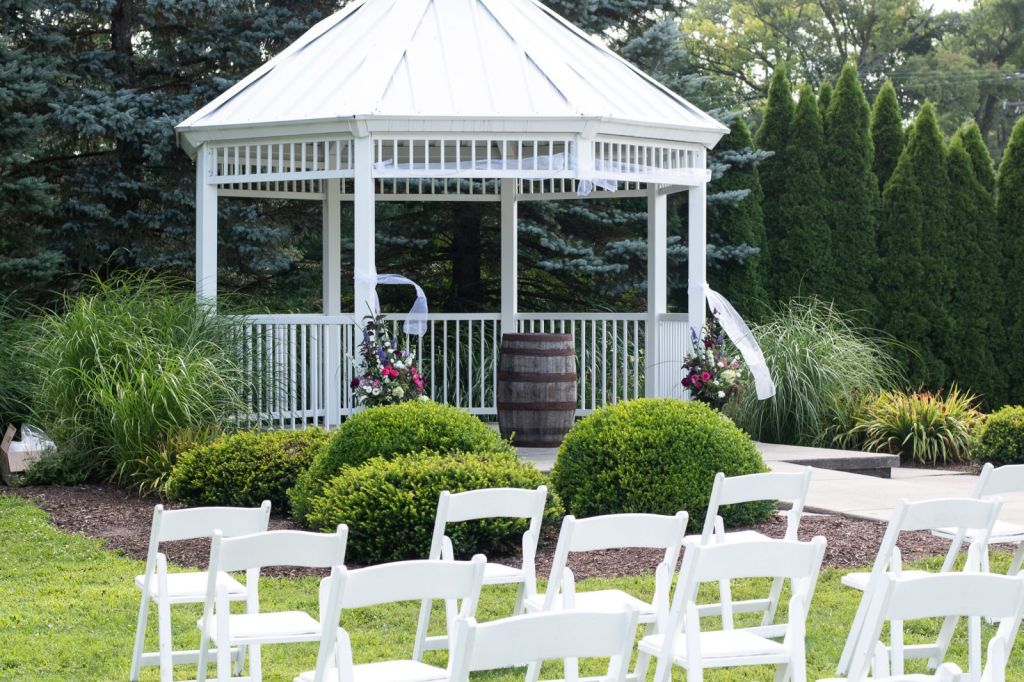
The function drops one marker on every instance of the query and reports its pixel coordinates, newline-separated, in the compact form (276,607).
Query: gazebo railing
(298,367)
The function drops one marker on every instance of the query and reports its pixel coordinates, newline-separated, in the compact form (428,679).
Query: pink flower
(705,377)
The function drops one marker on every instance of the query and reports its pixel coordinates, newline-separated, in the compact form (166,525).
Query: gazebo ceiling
(448,66)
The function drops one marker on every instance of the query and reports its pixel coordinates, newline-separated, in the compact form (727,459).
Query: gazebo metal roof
(485,66)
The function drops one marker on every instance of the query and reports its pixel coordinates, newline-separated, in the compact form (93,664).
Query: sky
(945,5)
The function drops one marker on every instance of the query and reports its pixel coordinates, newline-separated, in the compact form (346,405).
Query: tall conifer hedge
(773,136)
(886,133)
(1010,215)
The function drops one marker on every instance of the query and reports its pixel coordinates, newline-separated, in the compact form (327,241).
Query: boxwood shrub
(245,468)
(1001,438)
(389,503)
(392,430)
(654,455)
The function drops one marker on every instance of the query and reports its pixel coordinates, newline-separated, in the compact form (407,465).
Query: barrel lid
(536,337)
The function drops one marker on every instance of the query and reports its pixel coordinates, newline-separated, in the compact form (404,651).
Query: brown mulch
(123,519)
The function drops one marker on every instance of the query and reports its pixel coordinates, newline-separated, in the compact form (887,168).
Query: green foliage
(1001,437)
(852,198)
(740,222)
(245,468)
(127,367)
(16,379)
(773,136)
(981,160)
(801,248)
(824,102)
(392,430)
(975,296)
(886,133)
(915,278)
(653,455)
(1010,217)
(927,428)
(389,504)
(822,363)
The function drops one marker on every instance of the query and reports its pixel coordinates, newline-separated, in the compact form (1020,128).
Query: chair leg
(1018,558)
(532,672)
(163,610)
(571,666)
(520,600)
(140,638)
(255,663)
(223,661)
(422,627)
(725,599)
(663,670)
(240,660)
(694,672)
(643,660)
(773,601)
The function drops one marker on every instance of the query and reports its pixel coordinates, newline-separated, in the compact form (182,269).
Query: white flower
(398,392)
(721,394)
(376,391)
(399,365)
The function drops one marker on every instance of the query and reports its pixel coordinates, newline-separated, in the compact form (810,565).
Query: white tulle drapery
(740,335)
(416,321)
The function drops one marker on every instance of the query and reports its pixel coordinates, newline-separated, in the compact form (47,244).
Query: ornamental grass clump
(125,369)
(822,364)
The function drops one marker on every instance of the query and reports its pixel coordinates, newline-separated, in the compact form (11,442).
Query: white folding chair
(613,531)
(488,503)
(166,589)
(254,628)
(530,640)
(684,643)
(965,514)
(790,488)
(949,595)
(397,582)
(996,481)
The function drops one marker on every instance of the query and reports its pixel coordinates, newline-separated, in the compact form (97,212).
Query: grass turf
(68,609)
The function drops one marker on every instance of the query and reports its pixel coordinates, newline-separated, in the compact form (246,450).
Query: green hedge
(1001,438)
(392,430)
(245,468)
(389,504)
(654,455)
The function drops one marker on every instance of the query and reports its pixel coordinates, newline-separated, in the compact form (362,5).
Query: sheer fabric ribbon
(739,333)
(416,321)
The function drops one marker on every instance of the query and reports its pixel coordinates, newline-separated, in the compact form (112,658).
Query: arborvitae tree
(802,257)
(1010,215)
(912,294)
(824,101)
(739,221)
(852,197)
(773,136)
(981,160)
(886,133)
(974,311)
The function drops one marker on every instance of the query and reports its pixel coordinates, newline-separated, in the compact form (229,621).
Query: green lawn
(68,606)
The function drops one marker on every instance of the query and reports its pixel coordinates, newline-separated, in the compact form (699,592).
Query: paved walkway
(851,494)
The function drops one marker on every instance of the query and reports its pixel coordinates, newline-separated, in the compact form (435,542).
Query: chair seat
(718,644)
(191,587)
(1002,532)
(737,536)
(386,671)
(286,626)
(859,581)
(498,574)
(601,600)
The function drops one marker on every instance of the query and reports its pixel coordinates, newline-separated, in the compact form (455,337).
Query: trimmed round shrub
(654,455)
(389,504)
(1001,438)
(392,430)
(245,468)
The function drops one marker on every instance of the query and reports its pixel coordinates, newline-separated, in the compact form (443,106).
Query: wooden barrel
(536,388)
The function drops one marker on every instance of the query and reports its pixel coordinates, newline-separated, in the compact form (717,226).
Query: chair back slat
(754,559)
(283,548)
(954,594)
(1000,480)
(958,512)
(200,522)
(767,486)
(616,531)
(413,580)
(521,640)
(496,502)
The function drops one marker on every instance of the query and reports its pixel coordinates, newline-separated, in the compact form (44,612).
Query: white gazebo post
(364,233)
(657,286)
(206,228)
(509,256)
(697,268)
(331,265)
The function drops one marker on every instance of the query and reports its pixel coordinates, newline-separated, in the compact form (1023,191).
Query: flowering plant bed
(711,372)
(387,373)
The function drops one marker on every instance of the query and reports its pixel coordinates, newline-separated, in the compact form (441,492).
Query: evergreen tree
(886,133)
(739,221)
(975,315)
(912,291)
(852,197)
(824,101)
(773,136)
(802,257)
(981,160)
(1010,216)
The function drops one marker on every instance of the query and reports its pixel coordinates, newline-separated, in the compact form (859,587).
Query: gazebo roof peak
(489,66)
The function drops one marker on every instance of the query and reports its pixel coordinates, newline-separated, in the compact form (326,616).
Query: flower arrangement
(709,372)
(387,373)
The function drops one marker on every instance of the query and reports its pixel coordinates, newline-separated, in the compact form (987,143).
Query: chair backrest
(414,580)
(974,595)
(999,480)
(521,640)
(278,548)
(488,503)
(785,487)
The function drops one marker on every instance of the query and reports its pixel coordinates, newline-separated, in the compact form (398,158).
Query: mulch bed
(123,519)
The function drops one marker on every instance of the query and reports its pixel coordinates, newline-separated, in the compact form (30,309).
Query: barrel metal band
(537,377)
(539,352)
(536,407)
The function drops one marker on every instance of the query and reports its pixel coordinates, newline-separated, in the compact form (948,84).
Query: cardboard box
(15,457)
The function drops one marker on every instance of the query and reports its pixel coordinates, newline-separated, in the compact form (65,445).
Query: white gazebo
(451,100)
